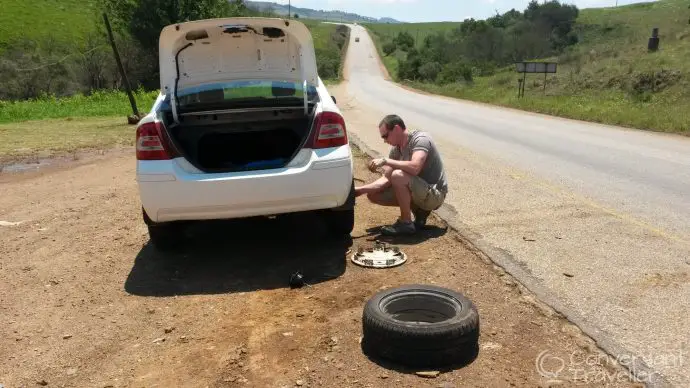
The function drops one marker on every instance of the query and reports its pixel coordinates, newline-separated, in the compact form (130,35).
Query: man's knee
(399,178)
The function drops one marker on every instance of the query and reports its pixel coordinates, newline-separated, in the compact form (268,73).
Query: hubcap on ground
(381,256)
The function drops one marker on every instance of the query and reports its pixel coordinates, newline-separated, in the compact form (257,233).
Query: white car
(243,127)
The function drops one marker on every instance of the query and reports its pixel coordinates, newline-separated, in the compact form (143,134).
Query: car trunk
(242,141)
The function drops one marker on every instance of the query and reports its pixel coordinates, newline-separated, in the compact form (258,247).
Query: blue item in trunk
(273,163)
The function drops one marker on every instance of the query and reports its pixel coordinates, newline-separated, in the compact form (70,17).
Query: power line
(62,60)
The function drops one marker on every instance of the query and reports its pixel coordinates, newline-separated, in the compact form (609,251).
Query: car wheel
(165,238)
(340,222)
(421,326)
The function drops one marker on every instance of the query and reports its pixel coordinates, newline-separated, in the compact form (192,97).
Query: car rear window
(245,91)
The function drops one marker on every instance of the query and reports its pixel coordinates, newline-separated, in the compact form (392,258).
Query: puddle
(22,167)
(34,164)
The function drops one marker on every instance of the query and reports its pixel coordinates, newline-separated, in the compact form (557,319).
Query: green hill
(60,47)
(608,76)
(65,20)
(419,31)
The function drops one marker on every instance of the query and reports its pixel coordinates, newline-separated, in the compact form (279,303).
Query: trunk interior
(241,141)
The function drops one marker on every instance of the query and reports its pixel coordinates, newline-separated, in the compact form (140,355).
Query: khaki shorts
(424,195)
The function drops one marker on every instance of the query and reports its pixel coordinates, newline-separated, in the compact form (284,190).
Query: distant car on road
(243,127)
(357,39)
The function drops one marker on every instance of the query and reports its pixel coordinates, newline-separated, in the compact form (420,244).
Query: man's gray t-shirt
(432,172)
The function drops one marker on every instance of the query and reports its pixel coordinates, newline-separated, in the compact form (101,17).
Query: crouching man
(412,178)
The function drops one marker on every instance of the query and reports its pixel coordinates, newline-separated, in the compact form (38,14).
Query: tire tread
(421,345)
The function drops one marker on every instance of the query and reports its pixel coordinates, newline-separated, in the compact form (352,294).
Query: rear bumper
(317,179)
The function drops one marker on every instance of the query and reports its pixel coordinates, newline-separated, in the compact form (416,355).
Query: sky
(434,10)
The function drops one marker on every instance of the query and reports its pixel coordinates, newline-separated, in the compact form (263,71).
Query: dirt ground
(85,300)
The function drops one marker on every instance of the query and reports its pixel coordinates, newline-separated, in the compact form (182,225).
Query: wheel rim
(421,307)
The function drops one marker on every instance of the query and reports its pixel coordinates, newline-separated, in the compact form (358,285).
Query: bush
(31,68)
(404,41)
(340,36)
(455,72)
(328,64)
(648,82)
(429,71)
(389,48)
(409,68)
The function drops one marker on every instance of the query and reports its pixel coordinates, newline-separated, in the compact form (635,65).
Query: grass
(607,107)
(596,77)
(47,138)
(101,103)
(419,31)
(66,21)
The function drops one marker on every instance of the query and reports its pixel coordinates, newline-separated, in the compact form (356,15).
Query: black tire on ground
(340,222)
(421,326)
(166,238)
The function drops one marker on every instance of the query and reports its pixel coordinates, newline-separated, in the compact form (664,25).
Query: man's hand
(358,191)
(375,164)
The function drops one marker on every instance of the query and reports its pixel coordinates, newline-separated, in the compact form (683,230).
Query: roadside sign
(536,67)
(525,68)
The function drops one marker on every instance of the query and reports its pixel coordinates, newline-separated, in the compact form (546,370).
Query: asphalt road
(598,215)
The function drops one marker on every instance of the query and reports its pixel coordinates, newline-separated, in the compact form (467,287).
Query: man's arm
(383,182)
(373,187)
(413,167)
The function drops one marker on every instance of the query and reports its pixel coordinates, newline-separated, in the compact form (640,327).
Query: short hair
(391,121)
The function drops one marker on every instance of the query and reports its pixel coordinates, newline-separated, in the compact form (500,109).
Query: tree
(404,41)
(389,48)
(143,21)
(409,68)
(454,72)
(430,70)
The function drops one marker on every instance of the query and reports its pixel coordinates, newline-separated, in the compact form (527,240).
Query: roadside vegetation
(98,103)
(64,67)
(605,72)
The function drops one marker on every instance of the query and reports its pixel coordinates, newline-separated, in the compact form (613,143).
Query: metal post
(524,81)
(119,65)
(544,81)
(289,9)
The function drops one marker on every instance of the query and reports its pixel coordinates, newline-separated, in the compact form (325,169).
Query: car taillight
(330,131)
(153,143)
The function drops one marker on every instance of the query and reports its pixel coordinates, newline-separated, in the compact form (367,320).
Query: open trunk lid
(220,50)
(200,54)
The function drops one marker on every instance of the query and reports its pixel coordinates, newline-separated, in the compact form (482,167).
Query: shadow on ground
(427,233)
(240,255)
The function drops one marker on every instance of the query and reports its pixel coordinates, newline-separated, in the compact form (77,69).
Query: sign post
(525,68)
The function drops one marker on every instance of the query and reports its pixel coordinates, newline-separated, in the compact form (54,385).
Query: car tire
(165,238)
(340,222)
(448,336)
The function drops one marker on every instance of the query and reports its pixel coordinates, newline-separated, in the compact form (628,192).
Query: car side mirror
(334,99)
